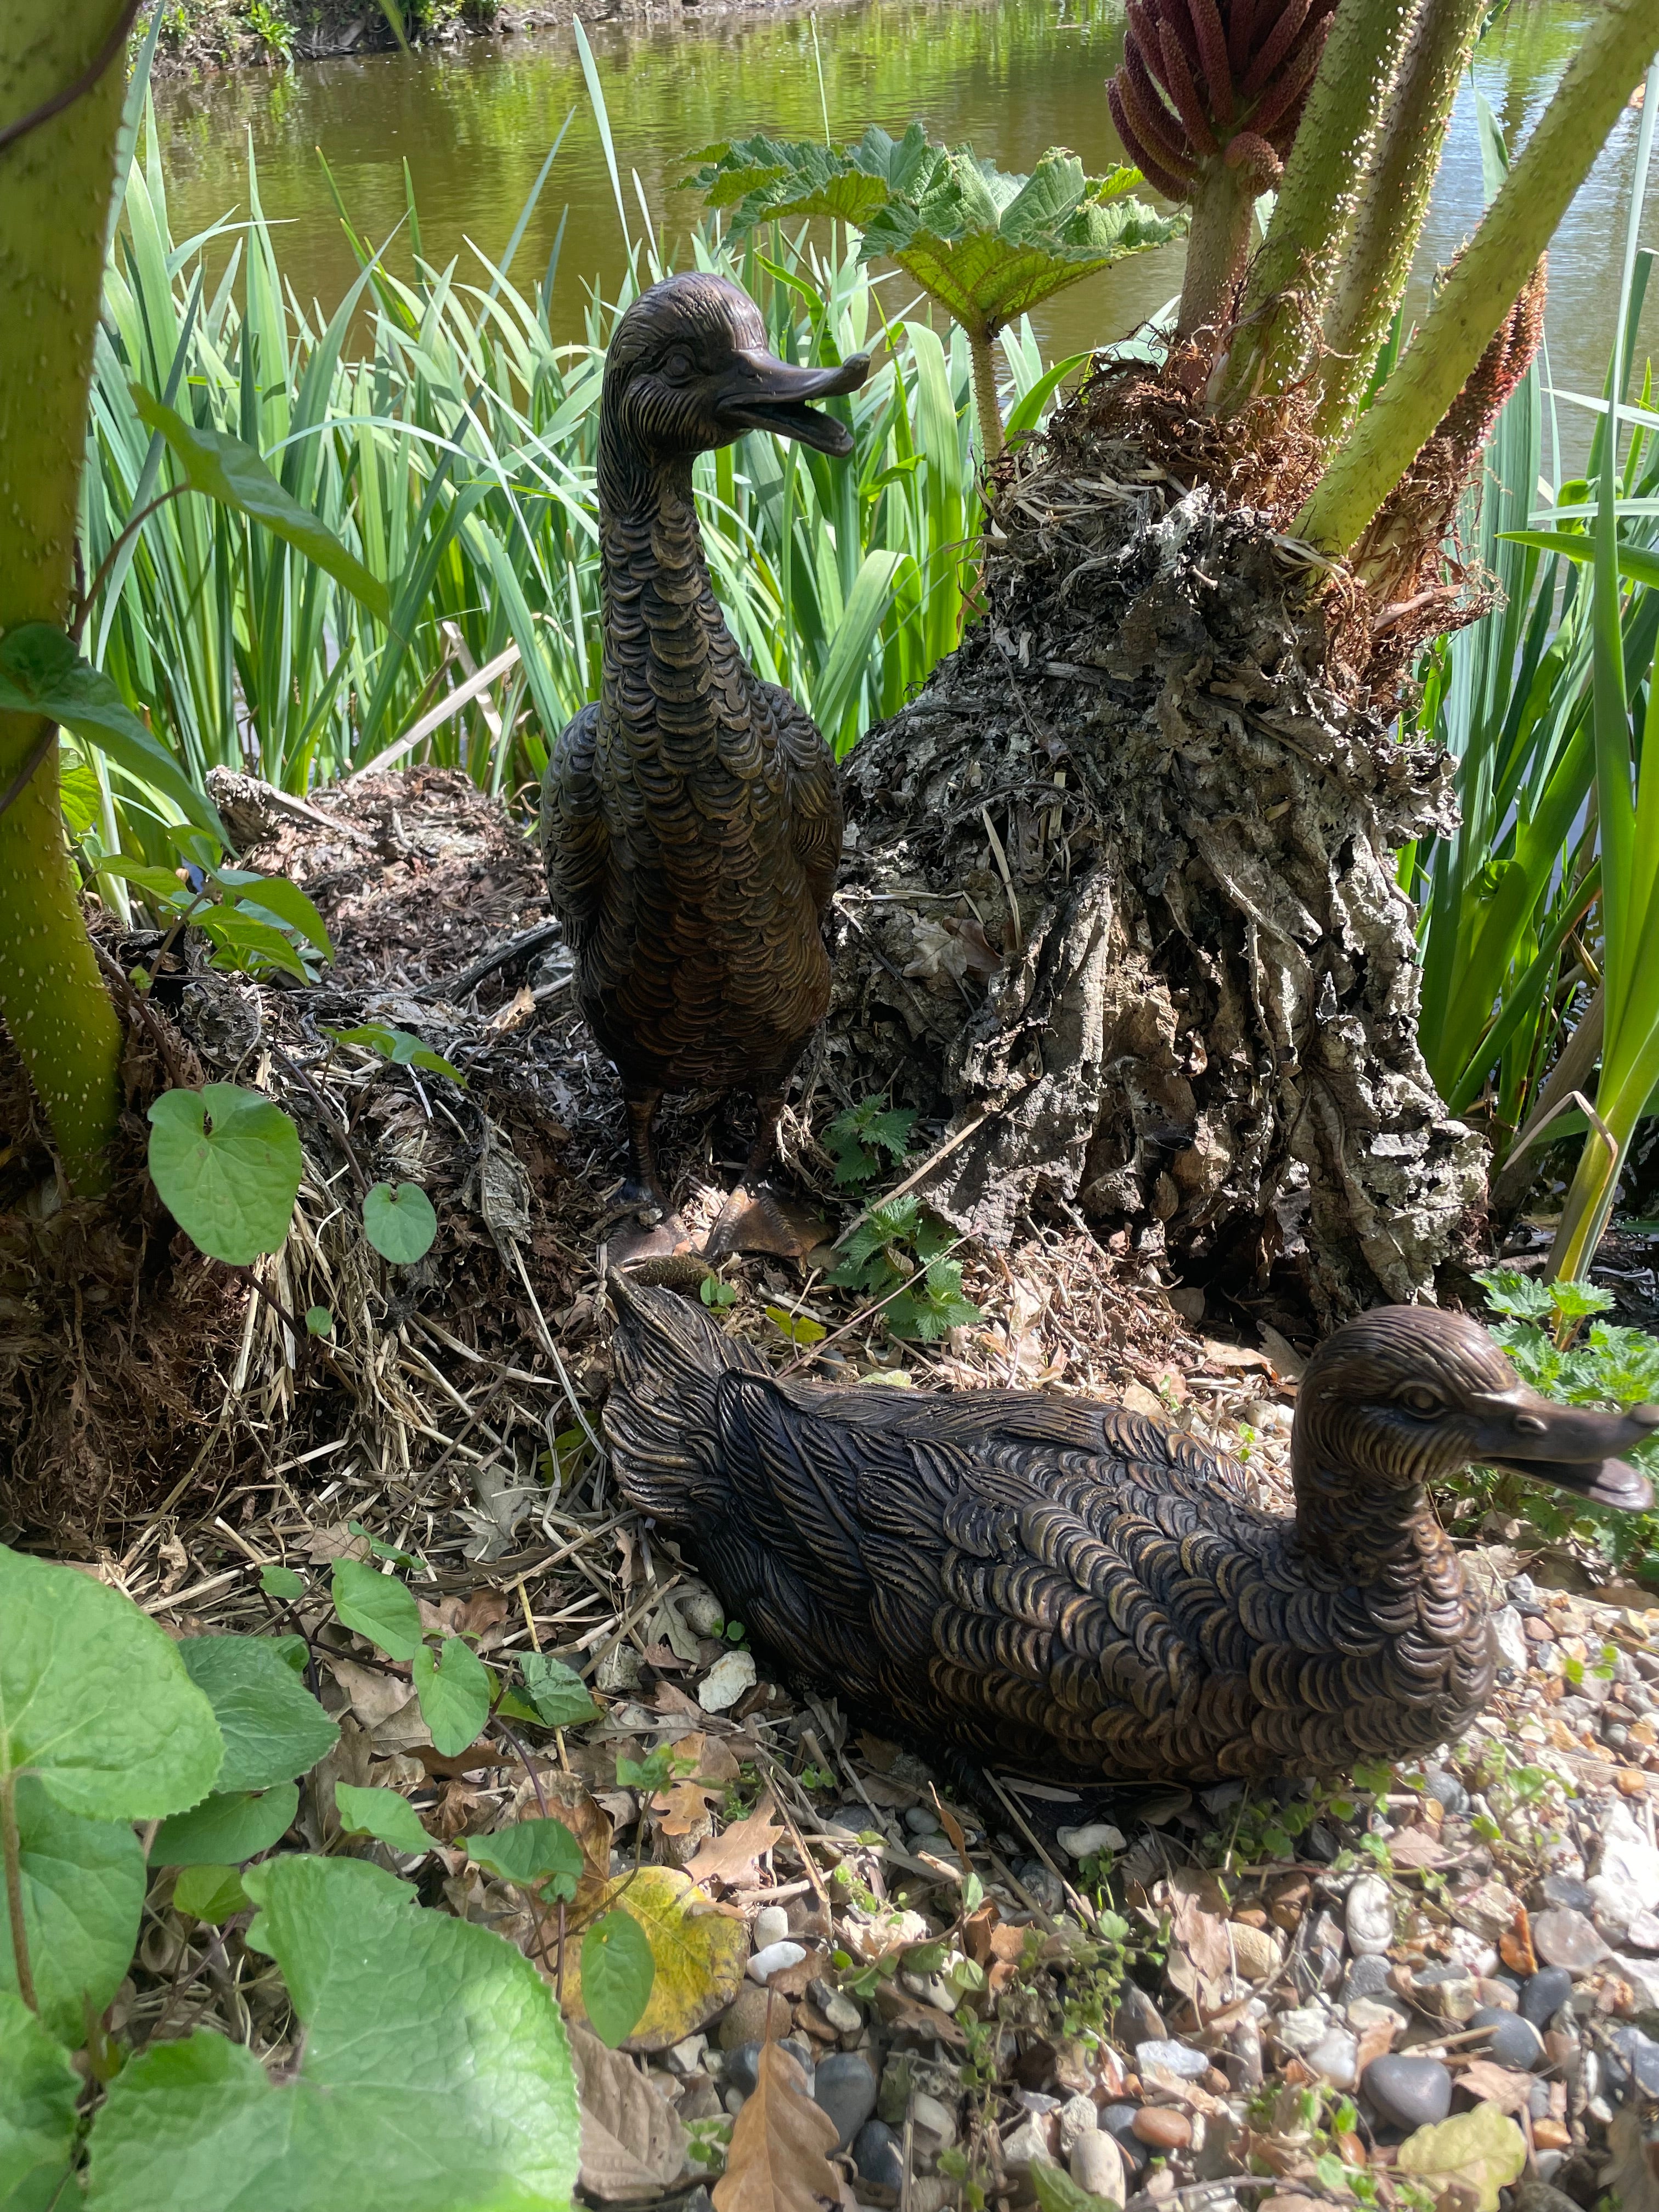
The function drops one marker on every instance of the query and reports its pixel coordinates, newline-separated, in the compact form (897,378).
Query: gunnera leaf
(432,2073)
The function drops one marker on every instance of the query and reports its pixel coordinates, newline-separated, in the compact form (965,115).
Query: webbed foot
(760,1219)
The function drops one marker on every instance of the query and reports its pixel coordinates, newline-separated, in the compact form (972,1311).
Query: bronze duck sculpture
(1078,1592)
(691,821)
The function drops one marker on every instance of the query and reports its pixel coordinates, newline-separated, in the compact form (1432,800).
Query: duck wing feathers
(1045,1581)
(575,839)
(811,793)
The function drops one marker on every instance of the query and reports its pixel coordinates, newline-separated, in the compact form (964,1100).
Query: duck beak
(1573,1446)
(761,393)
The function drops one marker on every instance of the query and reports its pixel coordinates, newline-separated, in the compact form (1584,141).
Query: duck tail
(660,1420)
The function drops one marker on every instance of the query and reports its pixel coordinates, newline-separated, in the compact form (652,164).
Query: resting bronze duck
(691,824)
(1075,1591)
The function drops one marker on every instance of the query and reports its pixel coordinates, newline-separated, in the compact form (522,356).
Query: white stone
(1078,2116)
(771,1926)
(1335,2058)
(1626,1857)
(773,1960)
(933,1990)
(935,2123)
(726,1681)
(1642,1974)
(1098,1836)
(1301,2028)
(1097,2166)
(1027,2146)
(1509,1638)
(686,2057)
(1616,1906)
(1368,1917)
(702,1612)
(1366,2012)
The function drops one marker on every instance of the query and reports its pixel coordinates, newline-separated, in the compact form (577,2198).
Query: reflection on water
(473,124)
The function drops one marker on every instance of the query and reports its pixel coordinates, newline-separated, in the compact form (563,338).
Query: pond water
(474,123)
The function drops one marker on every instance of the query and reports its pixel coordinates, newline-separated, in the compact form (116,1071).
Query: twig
(865,1312)
(552,1349)
(465,981)
(331,1122)
(1014,1814)
(940,1152)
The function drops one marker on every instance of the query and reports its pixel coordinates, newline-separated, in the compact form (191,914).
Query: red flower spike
(1151,118)
(1212,48)
(1275,49)
(1172,186)
(1184,93)
(1229,68)
(1240,27)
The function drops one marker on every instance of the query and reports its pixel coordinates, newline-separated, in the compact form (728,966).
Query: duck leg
(655,1229)
(757,1216)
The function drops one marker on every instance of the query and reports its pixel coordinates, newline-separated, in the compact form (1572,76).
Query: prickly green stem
(55,184)
(1285,298)
(981,352)
(1393,206)
(1485,283)
(1217,244)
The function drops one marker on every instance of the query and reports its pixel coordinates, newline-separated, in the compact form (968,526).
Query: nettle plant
(896,1254)
(1543,1327)
(426,2064)
(985,246)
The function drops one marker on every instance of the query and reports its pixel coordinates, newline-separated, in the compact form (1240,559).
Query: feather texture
(1070,1589)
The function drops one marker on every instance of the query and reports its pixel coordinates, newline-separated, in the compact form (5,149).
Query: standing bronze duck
(1075,1591)
(691,824)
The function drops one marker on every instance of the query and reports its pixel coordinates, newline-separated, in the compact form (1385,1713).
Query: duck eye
(677,365)
(1421,1399)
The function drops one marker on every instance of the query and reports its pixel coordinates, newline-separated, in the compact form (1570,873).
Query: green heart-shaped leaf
(273,1728)
(432,2074)
(399,1223)
(528,1851)
(618,1972)
(227,1164)
(454,1687)
(386,1814)
(38,2090)
(210,1892)
(228,1828)
(83,1892)
(377,1607)
(558,1693)
(94,1698)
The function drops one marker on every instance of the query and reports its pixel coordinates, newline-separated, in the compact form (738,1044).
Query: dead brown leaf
(778,2161)
(1495,2085)
(1201,1958)
(1415,1847)
(633,2146)
(729,1857)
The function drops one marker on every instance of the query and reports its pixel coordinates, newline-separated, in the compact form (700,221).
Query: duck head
(1409,1394)
(688,370)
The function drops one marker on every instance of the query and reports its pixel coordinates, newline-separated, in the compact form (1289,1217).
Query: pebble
(1515,2042)
(935,2122)
(1368,1917)
(1509,1635)
(1562,1937)
(1409,2093)
(933,1990)
(745,2022)
(1447,1992)
(1173,2057)
(702,1612)
(1096,2165)
(1137,2019)
(1367,1976)
(1628,1858)
(686,2057)
(1078,2116)
(1447,1790)
(1543,1994)
(1301,2026)
(838,2008)
(1335,2058)
(1026,2145)
(1119,2122)
(773,1960)
(846,2088)
(921,1821)
(742,2064)
(1562,1889)
(1160,2127)
(771,1926)
(1044,1888)
(1641,2055)
(1373,2012)
(1098,1836)
(878,2155)
(726,1680)
(1256,1950)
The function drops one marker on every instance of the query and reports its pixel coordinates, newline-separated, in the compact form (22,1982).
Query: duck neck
(660,617)
(1362,1530)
